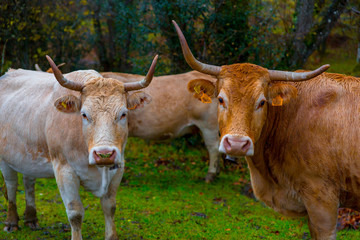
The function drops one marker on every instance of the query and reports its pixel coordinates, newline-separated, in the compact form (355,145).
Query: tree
(311,28)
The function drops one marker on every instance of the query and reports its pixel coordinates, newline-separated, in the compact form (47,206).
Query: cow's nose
(237,145)
(104,156)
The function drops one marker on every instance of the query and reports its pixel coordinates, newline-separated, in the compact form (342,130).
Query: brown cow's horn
(191,60)
(61,79)
(296,76)
(145,82)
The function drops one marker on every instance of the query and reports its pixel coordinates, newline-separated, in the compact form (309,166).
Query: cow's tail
(3,188)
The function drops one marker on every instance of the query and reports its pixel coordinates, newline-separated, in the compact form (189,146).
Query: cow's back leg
(30,210)
(211,139)
(322,212)
(68,184)
(108,203)
(11,181)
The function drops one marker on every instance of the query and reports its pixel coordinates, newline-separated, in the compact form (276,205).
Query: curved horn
(37,67)
(191,60)
(145,82)
(62,80)
(296,76)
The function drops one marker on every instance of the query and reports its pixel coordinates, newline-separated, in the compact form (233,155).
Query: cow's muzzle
(236,145)
(104,156)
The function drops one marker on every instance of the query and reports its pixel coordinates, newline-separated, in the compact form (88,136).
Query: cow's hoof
(210,177)
(34,225)
(11,228)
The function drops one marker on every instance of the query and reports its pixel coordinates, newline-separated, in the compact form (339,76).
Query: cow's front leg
(30,210)
(108,203)
(11,181)
(322,210)
(68,184)
(211,139)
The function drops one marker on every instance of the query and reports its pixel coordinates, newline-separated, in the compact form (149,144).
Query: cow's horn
(191,60)
(61,79)
(296,76)
(145,82)
(37,67)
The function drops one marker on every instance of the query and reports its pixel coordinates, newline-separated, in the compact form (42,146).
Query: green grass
(163,196)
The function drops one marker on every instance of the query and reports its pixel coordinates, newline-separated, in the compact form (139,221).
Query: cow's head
(244,91)
(103,105)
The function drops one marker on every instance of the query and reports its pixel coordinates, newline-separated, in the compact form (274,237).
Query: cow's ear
(68,104)
(137,100)
(280,94)
(204,90)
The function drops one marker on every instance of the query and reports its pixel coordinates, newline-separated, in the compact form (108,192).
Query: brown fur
(12,217)
(30,214)
(306,154)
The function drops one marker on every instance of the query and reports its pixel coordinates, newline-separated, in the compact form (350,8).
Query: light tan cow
(299,132)
(174,111)
(76,132)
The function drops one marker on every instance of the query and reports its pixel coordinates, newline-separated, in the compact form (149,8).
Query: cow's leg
(11,181)
(211,139)
(322,212)
(30,210)
(68,184)
(108,203)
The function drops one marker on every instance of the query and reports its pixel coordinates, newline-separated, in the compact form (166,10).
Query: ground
(163,196)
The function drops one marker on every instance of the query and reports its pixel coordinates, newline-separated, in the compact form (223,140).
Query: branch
(355,10)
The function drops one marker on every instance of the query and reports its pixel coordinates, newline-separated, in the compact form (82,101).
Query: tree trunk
(308,37)
(100,43)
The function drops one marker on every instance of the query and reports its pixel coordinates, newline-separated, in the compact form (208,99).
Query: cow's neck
(263,166)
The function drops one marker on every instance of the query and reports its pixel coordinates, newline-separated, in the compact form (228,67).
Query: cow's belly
(38,168)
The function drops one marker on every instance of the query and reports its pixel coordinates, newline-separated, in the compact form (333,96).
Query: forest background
(123,36)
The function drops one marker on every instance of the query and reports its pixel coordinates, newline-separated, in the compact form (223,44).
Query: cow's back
(173,110)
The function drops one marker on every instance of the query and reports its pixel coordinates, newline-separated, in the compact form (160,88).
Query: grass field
(163,196)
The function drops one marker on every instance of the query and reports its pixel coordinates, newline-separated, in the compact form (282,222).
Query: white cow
(84,146)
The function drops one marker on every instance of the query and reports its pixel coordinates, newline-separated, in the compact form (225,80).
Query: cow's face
(244,94)
(103,106)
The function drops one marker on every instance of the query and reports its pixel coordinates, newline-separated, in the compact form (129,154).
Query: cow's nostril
(246,145)
(227,144)
(103,154)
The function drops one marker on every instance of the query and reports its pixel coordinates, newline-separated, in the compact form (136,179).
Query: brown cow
(174,111)
(85,146)
(299,137)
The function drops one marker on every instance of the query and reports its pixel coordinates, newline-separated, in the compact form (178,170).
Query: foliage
(125,35)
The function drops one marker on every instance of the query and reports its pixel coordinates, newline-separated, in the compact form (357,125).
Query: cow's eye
(83,115)
(261,104)
(221,101)
(123,116)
